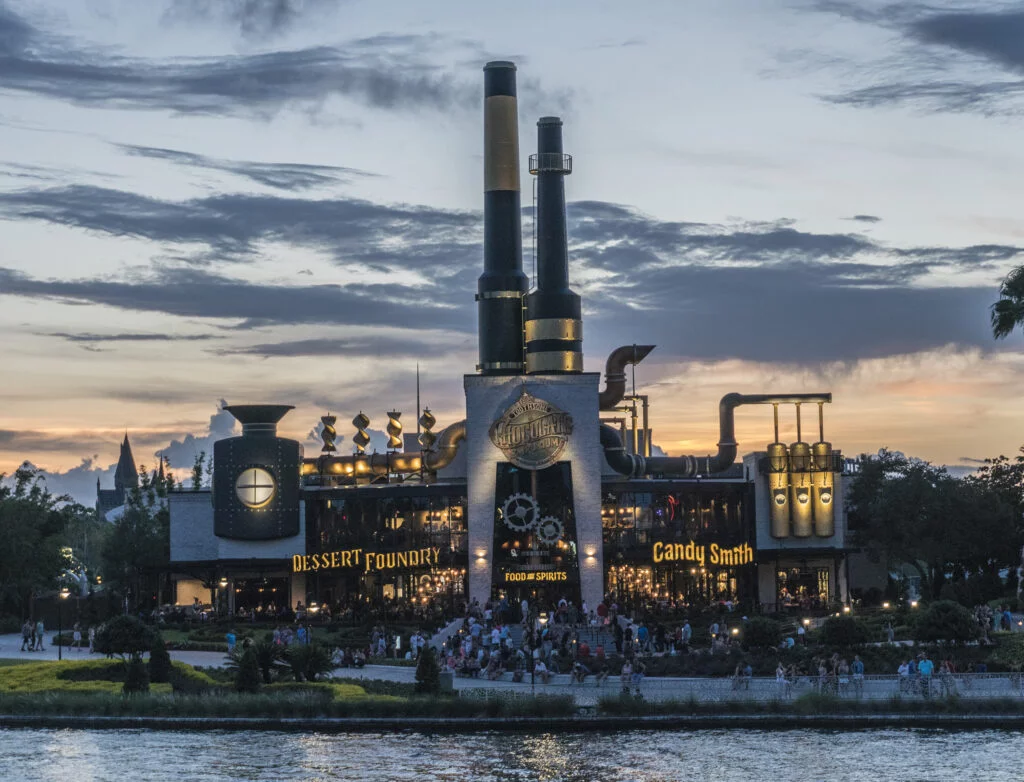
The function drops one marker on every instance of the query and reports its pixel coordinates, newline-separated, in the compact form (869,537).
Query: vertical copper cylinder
(800,490)
(822,491)
(778,489)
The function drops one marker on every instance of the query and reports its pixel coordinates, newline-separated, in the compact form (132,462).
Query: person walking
(26,636)
(76,637)
(40,632)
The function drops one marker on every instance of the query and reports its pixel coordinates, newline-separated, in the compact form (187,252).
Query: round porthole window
(255,487)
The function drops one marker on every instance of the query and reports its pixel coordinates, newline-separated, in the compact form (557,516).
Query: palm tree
(1008,312)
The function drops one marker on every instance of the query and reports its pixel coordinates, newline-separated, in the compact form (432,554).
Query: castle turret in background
(126,478)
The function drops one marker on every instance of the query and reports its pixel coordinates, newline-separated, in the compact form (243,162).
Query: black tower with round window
(256,478)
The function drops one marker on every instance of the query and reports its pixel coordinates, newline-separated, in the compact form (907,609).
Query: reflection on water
(631,756)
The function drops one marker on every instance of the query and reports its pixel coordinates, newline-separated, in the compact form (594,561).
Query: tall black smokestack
(554,326)
(502,285)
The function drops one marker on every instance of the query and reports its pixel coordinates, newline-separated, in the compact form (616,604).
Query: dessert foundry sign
(532,433)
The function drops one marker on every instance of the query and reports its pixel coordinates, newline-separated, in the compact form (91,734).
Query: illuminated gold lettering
(658,547)
(355,553)
(403,559)
(391,561)
(414,558)
(334,559)
(305,561)
(346,559)
(437,556)
(716,554)
(297,563)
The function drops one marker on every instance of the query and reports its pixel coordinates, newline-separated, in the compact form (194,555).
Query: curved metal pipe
(387,463)
(615,373)
(448,443)
(619,459)
(688,466)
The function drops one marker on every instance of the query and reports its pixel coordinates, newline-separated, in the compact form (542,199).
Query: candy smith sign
(367,561)
(701,555)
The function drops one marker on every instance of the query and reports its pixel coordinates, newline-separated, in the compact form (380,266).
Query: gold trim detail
(554,328)
(501,144)
(500,295)
(554,361)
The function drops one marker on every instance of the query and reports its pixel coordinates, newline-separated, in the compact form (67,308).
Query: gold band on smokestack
(502,286)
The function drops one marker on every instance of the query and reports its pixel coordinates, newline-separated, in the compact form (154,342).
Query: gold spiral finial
(427,438)
(329,433)
(361,439)
(394,431)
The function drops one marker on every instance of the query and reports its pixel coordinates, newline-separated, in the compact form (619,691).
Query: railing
(766,689)
(545,162)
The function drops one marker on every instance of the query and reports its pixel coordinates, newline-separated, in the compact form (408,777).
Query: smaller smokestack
(554,325)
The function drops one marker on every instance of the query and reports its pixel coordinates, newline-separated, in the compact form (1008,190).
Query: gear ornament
(520,512)
(550,529)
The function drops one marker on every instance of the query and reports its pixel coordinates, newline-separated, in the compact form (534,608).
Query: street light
(64,593)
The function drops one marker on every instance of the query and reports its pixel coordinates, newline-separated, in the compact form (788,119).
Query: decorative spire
(126,476)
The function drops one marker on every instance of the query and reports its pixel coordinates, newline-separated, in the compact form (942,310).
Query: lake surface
(643,756)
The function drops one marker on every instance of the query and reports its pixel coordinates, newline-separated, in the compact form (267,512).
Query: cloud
(865,219)
(259,19)
(79,482)
(766,290)
(281,176)
(383,72)
(370,345)
(229,226)
(87,339)
(182,453)
(952,60)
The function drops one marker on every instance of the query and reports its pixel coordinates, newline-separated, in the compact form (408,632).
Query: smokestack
(554,329)
(502,285)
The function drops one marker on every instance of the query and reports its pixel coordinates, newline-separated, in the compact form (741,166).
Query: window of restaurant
(803,587)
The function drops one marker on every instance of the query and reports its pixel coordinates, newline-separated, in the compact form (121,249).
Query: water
(630,756)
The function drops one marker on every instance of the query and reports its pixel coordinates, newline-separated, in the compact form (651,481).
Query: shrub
(136,677)
(269,658)
(308,661)
(945,620)
(762,633)
(159,661)
(843,631)
(428,673)
(1010,653)
(247,671)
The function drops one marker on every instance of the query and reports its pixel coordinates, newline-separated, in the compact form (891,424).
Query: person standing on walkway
(40,632)
(857,669)
(92,639)
(76,637)
(925,668)
(26,635)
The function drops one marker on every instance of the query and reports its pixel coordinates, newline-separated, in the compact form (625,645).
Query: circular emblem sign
(254,487)
(532,433)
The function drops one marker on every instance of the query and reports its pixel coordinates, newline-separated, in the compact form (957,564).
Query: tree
(843,631)
(247,670)
(128,638)
(945,620)
(428,673)
(33,523)
(137,548)
(1008,312)
(907,511)
(197,471)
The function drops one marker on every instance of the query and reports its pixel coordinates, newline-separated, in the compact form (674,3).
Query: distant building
(126,478)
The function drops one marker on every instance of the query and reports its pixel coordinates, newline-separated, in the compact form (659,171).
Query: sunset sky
(280,201)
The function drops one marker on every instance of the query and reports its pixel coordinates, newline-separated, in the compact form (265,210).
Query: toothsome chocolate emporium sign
(532,433)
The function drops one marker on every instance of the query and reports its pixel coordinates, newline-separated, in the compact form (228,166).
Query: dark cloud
(384,72)
(764,290)
(865,219)
(282,176)
(927,72)
(254,18)
(385,237)
(360,347)
(89,339)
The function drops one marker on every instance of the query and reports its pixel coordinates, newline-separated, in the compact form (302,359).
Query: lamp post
(64,592)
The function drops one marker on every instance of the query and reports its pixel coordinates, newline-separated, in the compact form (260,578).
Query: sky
(210,201)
